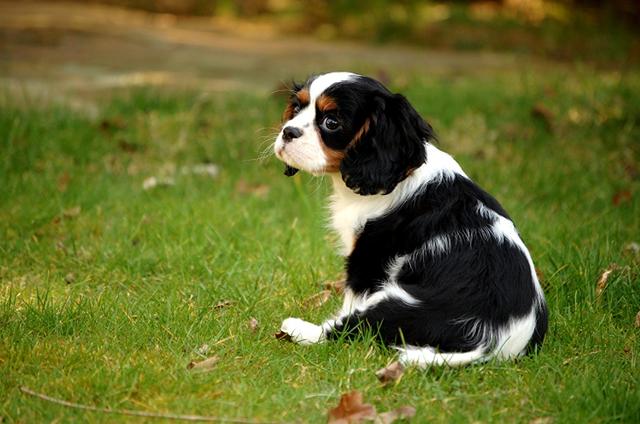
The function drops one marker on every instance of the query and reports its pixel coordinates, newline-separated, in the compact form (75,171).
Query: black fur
(481,278)
(393,144)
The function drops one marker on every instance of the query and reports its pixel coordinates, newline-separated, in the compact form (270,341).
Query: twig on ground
(137,413)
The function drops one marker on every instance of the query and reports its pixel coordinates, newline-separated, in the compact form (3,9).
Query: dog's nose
(289,133)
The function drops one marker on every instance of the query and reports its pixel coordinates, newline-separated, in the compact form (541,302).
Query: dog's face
(347,123)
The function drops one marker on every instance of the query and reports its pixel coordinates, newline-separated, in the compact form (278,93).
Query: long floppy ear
(390,150)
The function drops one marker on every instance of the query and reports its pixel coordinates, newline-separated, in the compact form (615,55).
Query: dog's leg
(306,333)
(303,332)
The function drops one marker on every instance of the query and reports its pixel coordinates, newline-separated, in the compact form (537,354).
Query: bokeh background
(72,47)
(145,224)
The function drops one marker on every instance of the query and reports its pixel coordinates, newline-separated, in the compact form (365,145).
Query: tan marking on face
(334,157)
(326,103)
(303,96)
(303,100)
(362,131)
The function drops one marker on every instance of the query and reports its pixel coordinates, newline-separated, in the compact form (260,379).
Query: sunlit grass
(106,304)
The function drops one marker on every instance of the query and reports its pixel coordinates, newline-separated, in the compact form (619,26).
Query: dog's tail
(424,357)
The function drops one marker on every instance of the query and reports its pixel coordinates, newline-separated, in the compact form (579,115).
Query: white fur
(424,357)
(513,338)
(324,81)
(302,332)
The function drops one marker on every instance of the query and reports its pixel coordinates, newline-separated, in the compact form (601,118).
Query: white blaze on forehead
(325,81)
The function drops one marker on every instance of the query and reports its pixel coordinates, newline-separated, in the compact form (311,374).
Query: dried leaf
(205,365)
(203,350)
(127,146)
(281,335)
(317,299)
(71,212)
(542,112)
(620,197)
(638,320)
(391,373)
(253,324)
(63,182)
(632,171)
(223,304)
(335,285)
(70,278)
(402,413)
(351,410)
(259,190)
(601,285)
(116,123)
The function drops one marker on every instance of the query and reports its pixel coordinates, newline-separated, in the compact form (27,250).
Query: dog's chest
(350,212)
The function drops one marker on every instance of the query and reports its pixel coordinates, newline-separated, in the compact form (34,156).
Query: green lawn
(108,291)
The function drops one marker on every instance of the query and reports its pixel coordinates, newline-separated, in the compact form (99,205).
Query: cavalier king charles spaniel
(434,265)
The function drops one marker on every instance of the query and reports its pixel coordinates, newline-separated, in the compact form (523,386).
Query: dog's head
(348,123)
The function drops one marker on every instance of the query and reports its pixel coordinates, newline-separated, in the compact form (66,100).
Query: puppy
(434,265)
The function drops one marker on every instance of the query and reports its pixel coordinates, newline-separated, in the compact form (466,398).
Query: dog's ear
(392,147)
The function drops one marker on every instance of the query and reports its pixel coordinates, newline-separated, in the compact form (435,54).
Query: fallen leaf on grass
(281,335)
(111,124)
(601,285)
(63,182)
(317,299)
(542,112)
(128,147)
(70,278)
(223,304)
(203,350)
(632,171)
(335,285)
(72,212)
(253,324)
(638,320)
(351,410)
(620,197)
(402,413)
(205,365)
(259,190)
(391,373)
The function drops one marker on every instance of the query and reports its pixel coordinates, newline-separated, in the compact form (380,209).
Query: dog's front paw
(302,332)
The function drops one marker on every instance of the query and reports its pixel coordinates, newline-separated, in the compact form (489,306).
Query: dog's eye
(296,109)
(330,123)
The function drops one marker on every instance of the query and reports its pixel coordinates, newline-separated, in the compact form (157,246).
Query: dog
(434,265)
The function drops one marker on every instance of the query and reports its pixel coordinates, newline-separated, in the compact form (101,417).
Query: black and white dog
(434,265)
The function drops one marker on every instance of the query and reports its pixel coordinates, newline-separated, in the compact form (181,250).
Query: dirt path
(73,51)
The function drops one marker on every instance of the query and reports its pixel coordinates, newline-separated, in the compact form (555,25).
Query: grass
(107,303)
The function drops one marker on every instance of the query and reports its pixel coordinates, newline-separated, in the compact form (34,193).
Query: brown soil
(73,51)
